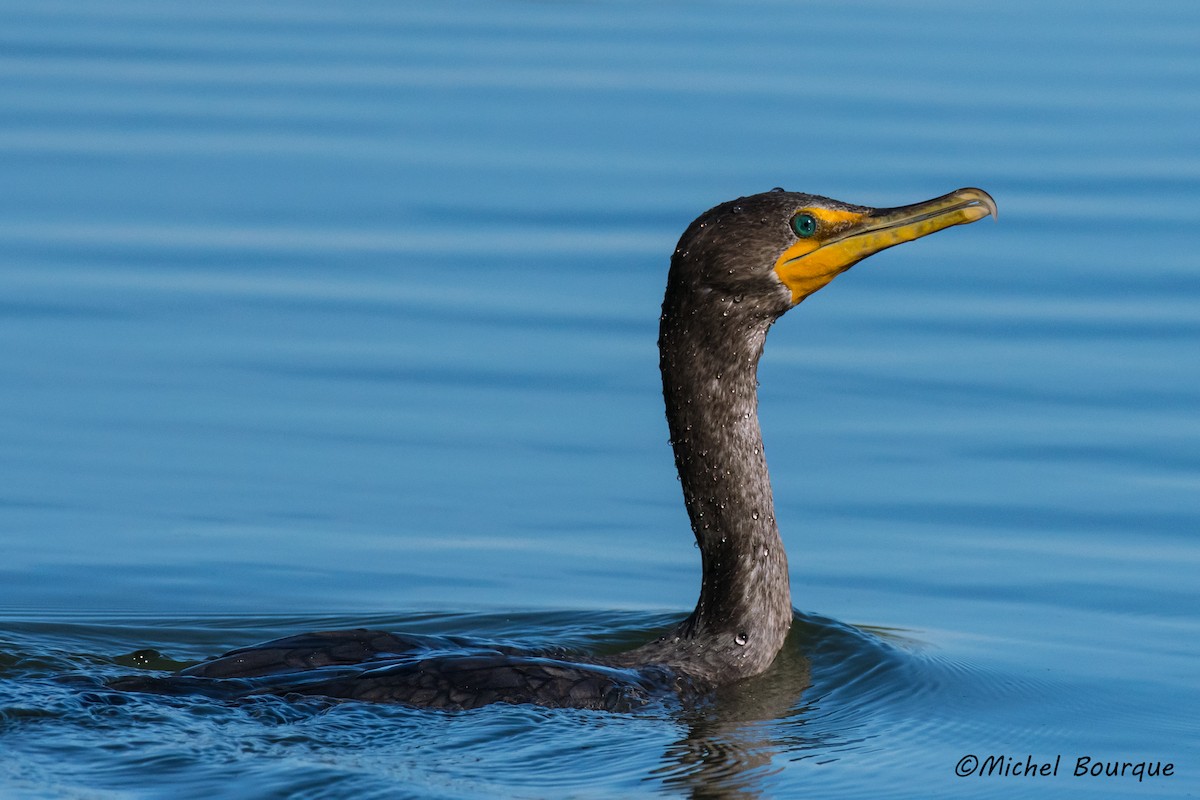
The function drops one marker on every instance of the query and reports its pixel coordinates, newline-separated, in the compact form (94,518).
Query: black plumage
(737,268)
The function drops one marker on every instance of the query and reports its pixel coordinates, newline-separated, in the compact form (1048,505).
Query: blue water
(318,315)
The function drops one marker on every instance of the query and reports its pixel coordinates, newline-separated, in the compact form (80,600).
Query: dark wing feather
(426,672)
(309,651)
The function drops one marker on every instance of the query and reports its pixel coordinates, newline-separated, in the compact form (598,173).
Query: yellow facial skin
(843,238)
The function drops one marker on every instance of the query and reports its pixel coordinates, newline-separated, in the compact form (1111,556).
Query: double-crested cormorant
(736,270)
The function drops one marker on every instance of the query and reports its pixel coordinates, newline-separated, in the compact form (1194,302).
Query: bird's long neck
(709,359)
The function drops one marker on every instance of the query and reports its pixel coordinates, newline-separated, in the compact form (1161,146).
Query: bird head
(779,247)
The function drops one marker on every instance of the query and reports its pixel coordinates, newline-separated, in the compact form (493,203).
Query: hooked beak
(843,238)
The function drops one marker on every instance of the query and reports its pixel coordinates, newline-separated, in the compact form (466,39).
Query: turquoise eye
(804,224)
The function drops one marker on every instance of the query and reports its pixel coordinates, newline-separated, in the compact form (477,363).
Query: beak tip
(985,200)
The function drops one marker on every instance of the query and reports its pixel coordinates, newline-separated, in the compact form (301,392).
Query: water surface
(315,316)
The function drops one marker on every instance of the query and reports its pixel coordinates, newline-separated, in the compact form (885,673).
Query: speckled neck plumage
(710,342)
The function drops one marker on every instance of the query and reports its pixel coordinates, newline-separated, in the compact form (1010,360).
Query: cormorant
(737,268)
